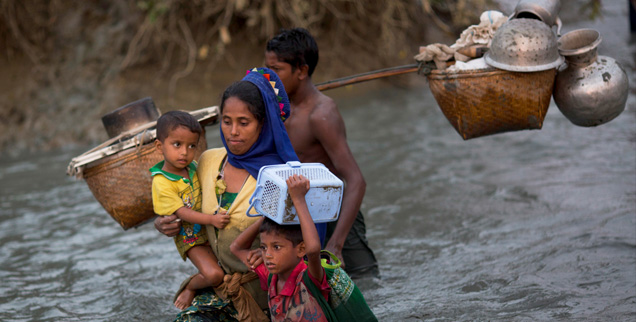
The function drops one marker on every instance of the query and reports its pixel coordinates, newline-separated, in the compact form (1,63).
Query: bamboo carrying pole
(386,72)
(474,51)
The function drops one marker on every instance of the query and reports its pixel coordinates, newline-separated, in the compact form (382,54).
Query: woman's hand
(220,219)
(297,187)
(168,225)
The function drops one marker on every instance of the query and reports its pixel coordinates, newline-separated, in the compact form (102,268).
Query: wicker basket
(117,173)
(122,183)
(489,101)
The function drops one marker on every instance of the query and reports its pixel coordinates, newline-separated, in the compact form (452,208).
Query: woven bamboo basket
(489,101)
(122,183)
(117,171)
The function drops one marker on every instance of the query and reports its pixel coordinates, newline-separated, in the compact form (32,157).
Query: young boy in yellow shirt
(176,190)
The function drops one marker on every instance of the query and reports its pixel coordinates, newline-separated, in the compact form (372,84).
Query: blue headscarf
(273,145)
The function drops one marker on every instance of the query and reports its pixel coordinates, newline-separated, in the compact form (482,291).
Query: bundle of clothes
(472,43)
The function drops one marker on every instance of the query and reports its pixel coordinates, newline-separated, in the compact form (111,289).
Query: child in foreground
(283,248)
(176,189)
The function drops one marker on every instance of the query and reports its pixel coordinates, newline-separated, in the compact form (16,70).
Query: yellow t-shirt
(171,192)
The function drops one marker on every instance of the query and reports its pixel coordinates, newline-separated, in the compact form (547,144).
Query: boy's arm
(219,220)
(298,187)
(241,246)
(328,127)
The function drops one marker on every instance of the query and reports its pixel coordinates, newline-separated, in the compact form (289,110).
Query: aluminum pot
(590,89)
(524,45)
(544,10)
(130,116)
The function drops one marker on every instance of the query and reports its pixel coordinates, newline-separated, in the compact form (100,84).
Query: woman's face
(240,128)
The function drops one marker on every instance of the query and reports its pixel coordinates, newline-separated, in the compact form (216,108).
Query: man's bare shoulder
(324,109)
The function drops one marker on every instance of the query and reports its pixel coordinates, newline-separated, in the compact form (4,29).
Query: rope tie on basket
(138,141)
(147,136)
(425,68)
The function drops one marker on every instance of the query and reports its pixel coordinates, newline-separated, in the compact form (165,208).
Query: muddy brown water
(524,226)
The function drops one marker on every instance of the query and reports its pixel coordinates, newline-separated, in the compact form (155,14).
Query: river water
(525,226)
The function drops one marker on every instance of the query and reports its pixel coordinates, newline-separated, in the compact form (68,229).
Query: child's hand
(254,258)
(220,219)
(298,186)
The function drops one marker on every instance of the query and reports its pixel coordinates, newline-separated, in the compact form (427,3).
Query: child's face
(178,149)
(284,71)
(280,256)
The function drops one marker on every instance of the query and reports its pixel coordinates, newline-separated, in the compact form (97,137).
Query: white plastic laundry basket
(271,199)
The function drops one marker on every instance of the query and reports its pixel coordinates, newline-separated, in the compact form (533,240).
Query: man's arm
(328,127)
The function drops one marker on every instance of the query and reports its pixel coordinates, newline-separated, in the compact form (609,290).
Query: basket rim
(470,73)
(130,140)
(443,73)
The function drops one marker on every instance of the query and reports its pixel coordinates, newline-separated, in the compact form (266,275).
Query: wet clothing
(220,239)
(232,289)
(171,192)
(357,255)
(207,305)
(294,302)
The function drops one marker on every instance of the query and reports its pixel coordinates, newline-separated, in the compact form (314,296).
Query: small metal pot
(544,10)
(590,89)
(524,45)
(130,116)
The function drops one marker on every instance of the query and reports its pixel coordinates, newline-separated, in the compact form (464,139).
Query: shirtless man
(317,132)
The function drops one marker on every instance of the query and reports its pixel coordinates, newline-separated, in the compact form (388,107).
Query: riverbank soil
(65,64)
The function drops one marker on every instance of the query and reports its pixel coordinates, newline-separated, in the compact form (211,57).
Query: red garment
(294,302)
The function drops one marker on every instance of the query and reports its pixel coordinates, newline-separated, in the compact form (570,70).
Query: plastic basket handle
(253,200)
(294,164)
(248,212)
